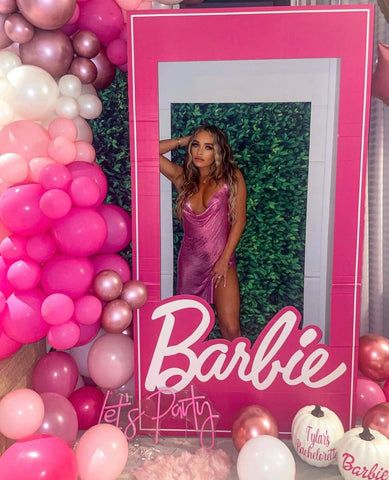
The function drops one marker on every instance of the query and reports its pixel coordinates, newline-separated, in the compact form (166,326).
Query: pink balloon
(87,402)
(55,372)
(40,456)
(24,137)
(111,360)
(62,150)
(386,390)
(55,203)
(60,418)
(8,6)
(103,17)
(80,354)
(84,192)
(18,29)
(13,247)
(117,51)
(7,346)
(21,413)
(84,134)
(47,14)
(102,453)
(87,309)
(63,127)
(113,262)
(118,228)
(57,308)
(134,293)
(368,394)
(73,19)
(105,70)
(85,152)
(69,275)
(19,210)
(55,176)
(36,165)
(24,274)
(94,172)
(41,247)
(22,320)
(88,333)
(64,336)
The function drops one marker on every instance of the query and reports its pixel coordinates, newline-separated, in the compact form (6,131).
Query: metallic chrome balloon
(8,6)
(84,69)
(18,28)
(116,317)
(374,357)
(5,41)
(86,44)
(107,285)
(105,70)
(134,293)
(47,14)
(377,418)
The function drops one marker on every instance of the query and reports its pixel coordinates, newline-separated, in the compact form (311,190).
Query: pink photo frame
(287,367)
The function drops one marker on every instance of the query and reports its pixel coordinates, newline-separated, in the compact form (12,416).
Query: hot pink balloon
(7,346)
(22,320)
(41,247)
(36,165)
(118,228)
(60,418)
(94,172)
(117,51)
(21,413)
(24,274)
(64,336)
(386,390)
(69,275)
(55,176)
(87,402)
(57,308)
(134,293)
(47,14)
(27,138)
(84,192)
(40,456)
(85,152)
(62,150)
(20,211)
(87,309)
(55,372)
(368,394)
(112,261)
(81,232)
(111,360)
(13,247)
(63,127)
(103,17)
(55,203)
(88,333)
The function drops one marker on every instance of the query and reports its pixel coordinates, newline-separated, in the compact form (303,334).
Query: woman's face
(203,150)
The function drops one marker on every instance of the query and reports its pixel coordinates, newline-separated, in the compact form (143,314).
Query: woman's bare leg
(227,304)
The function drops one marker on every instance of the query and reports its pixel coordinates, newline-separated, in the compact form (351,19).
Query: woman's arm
(221,266)
(169,169)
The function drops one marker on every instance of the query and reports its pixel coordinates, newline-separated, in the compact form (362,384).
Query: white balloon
(67,107)
(90,106)
(8,61)
(88,88)
(6,113)
(70,85)
(84,132)
(5,89)
(34,93)
(265,458)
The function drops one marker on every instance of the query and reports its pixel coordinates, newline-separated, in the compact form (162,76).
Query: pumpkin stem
(366,435)
(317,412)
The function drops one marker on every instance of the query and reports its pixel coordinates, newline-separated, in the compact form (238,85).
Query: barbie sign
(292,134)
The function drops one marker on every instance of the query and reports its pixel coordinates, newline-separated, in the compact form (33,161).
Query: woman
(212,207)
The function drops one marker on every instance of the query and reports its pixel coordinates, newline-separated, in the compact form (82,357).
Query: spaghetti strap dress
(205,236)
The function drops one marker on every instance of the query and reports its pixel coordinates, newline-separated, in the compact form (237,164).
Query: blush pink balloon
(57,308)
(63,127)
(103,17)
(134,293)
(39,456)
(112,261)
(24,274)
(36,165)
(117,51)
(21,413)
(41,247)
(87,309)
(22,320)
(84,192)
(7,346)
(27,138)
(118,228)
(13,247)
(368,394)
(69,275)
(87,402)
(60,418)
(62,150)
(85,152)
(80,353)
(20,212)
(84,134)
(88,333)
(55,176)
(47,14)
(55,372)
(94,172)
(81,232)
(102,453)
(374,357)
(64,336)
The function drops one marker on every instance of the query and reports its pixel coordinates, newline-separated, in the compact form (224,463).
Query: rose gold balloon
(251,422)
(377,418)
(116,317)
(18,28)
(374,357)
(51,51)
(86,44)
(47,14)
(107,285)
(105,70)
(4,39)
(134,293)
(84,69)
(8,6)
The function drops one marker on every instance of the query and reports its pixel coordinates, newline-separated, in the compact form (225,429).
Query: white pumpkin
(315,435)
(363,453)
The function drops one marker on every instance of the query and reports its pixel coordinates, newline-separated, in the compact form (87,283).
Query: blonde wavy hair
(223,170)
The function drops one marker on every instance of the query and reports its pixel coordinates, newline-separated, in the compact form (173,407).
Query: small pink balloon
(63,127)
(80,353)
(57,308)
(112,261)
(105,70)
(7,346)
(88,333)
(13,247)
(84,134)
(55,203)
(62,150)
(64,336)
(36,165)
(118,228)
(18,29)
(93,171)
(85,152)
(41,247)
(87,309)
(55,176)
(84,69)
(117,51)
(25,137)
(24,274)
(123,67)
(386,390)
(134,293)
(55,372)
(87,402)
(116,317)
(103,17)
(84,192)
(86,44)
(368,394)
(21,413)
(107,285)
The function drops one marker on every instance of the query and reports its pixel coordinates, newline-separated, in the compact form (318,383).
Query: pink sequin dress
(205,236)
